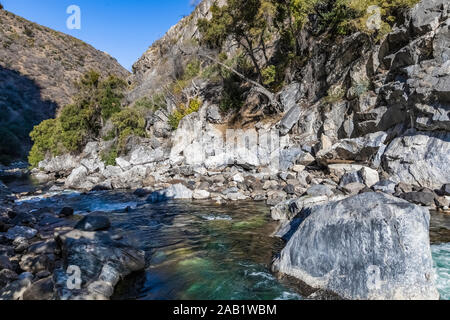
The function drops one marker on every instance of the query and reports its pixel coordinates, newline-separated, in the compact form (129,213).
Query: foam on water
(212,217)
(441,257)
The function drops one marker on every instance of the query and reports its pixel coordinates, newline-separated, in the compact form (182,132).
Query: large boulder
(363,149)
(101,263)
(419,158)
(370,246)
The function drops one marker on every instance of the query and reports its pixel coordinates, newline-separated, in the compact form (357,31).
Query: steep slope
(167,57)
(38,70)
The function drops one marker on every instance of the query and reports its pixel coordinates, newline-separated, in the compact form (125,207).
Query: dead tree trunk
(256,86)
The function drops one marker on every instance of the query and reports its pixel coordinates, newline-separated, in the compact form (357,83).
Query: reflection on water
(204,251)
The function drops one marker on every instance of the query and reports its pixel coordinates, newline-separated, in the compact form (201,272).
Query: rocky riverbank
(47,255)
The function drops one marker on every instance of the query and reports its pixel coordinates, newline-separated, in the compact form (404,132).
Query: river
(200,250)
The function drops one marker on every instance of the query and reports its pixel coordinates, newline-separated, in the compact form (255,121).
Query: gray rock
(354,188)
(362,149)
(7,276)
(36,263)
(290,95)
(319,190)
(15,289)
(94,222)
(385,186)
(419,158)
(174,192)
(421,198)
(99,258)
(289,189)
(426,16)
(20,231)
(338,248)
(213,114)
(289,120)
(40,290)
(201,194)
(78,179)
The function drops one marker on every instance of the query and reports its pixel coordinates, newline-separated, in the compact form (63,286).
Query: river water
(200,250)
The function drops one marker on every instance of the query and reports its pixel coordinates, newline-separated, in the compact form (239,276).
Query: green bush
(109,157)
(192,69)
(97,100)
(128,122)
(182,111)
(47,139)
(269,75)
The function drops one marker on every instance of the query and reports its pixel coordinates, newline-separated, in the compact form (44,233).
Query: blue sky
(123,28)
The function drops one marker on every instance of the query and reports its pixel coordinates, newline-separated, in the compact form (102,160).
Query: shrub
(97,99)
(128,122)
(46,137)
(109,157)
(182,111)
(269,75)
(192,69)
(111,95)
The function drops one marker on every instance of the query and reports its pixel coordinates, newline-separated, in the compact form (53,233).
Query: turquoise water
(441,257)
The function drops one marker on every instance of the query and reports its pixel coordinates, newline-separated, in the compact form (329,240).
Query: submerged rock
(370,246)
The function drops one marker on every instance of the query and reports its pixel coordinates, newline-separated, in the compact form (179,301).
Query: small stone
(319,190)
(385,186)
(20,231)
(354,188)
(20,244)
(201,195)
(403,188)
(370,176)
(289,189)
(298,168)
(305,159)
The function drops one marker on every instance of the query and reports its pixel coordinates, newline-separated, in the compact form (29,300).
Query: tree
(290,18)
(246,22)
(1,6)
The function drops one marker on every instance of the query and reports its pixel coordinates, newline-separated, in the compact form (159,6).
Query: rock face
(38,69)
(370,246)
(419,158)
